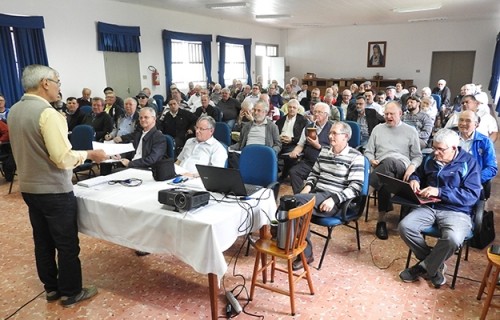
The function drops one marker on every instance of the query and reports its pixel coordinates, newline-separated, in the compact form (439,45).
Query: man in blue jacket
(454,176)
(479,146)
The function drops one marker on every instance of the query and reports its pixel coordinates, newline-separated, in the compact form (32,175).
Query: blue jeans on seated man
(454,226)
(321,196)
(53,218)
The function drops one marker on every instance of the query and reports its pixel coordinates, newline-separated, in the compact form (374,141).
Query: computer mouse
(178,179)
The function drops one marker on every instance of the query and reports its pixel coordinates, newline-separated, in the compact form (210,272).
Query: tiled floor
(351,285)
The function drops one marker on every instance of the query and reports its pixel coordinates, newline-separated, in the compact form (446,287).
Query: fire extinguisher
(155,76)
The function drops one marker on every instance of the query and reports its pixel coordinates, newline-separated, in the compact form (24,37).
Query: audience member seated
(246,115)
(400,91)
(206,109)
(151,100)
(412,91)
(444,92)
(170,95)
(312,98)
(312,139)
(74,116)
(393,149)
(259,131)
(119,101)
(216,95)
(286,95)
(366,118)
(8,165)
(334,111)
(390,93)
(274,113)
(4,111)
(479,146)
(177,122)
(85,99)
(144,101)
(149,144)
(284,108)
(432,111)
(290,128)
(437,177)
(354,88)
(202,149)
(235,88)
(347,102)
(229,107)
(336,177)
(370,102)
(488,125)
(111,107)
(191,89)
(59,104)
(254,95)
(128,122)
(381,99)
(419,120)
(98,119)
(294,83)
(243,94)
(194,100)
(274,97)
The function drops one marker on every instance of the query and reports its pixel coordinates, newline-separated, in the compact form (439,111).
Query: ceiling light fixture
(227,5)
(417,9)
(428,19)
(272,16)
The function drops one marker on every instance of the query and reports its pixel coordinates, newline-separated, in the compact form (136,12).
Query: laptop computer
(225,181)
(403,190)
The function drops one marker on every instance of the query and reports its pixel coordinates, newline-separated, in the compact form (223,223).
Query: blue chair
(355,140)
(433,231)
(81,139)
(159,101)
(341,111)
(170,146)
(222,132)
(350,214)
(86,109)
(437,98)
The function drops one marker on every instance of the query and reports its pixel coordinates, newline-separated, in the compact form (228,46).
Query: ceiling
(331,13)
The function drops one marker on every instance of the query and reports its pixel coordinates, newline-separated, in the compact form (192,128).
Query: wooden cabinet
(345,83)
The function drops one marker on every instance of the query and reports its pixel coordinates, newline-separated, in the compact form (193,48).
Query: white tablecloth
(133,217)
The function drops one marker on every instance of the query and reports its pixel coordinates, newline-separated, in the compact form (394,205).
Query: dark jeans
(54,221)
(391,167)
(298,173)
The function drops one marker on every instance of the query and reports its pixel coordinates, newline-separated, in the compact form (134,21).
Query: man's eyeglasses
(336,133)
(58,82)
(440,149)
(143,97)
(202,129)
(319,112)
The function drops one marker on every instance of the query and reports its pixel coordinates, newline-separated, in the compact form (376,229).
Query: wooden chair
(489,282)
(296,231)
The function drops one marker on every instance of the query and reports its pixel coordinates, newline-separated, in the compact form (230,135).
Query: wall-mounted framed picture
(376,54)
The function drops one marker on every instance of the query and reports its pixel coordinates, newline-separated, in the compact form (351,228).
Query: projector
(182,199)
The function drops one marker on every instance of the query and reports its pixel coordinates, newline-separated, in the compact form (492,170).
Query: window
(235,63)
(187,64)
(266,50)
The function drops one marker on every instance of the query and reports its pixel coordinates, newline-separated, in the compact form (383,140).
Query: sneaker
(85,294)
(439,279)
(411,274)
(52,296)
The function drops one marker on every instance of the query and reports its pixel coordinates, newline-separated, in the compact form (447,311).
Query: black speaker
(182,199)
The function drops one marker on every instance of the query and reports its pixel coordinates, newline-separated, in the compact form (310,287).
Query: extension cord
(232,300)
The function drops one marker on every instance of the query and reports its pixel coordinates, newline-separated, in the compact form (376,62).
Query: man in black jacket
(177,122)
(365,117)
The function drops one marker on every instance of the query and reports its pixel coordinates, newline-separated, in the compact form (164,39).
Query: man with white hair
(454,176)
(432,111)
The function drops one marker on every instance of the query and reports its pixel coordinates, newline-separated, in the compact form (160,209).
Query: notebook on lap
(225,180)
(403,189)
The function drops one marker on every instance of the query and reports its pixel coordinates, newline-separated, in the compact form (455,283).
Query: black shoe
(381,231)
(141,253)
(52,296)
(411,274)
(85,294)
(439,279)
(297,264)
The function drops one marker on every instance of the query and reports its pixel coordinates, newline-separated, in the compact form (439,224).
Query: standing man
(393,149)
(455,177)
(39,140)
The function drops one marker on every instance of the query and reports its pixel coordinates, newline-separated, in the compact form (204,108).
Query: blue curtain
(116,38)
(495,72)
(205,39)
(29,46)
(247,48)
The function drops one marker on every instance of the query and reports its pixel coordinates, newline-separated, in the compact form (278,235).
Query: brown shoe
(297,264)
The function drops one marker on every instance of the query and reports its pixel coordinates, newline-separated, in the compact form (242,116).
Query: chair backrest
(355,140)
(170,146)
(81,137)
(258,165)
(341,111)
(299,219)
(437,98)
(355,212)
(86,109)
(159,101)
(222,133)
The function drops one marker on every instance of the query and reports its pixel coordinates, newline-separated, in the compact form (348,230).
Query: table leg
(212,288)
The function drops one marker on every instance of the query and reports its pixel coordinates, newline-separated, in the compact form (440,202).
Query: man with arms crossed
(39,140)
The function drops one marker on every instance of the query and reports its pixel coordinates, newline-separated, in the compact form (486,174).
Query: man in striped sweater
(337,176)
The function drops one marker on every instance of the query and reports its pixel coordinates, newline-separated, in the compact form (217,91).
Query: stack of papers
(93,182)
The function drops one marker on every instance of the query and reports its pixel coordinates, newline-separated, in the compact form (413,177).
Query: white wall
(342,52)
(70,37)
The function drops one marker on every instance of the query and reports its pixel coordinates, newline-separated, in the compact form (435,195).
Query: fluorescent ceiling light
(227,5)
(428,19)
(272,16)
(417,9)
